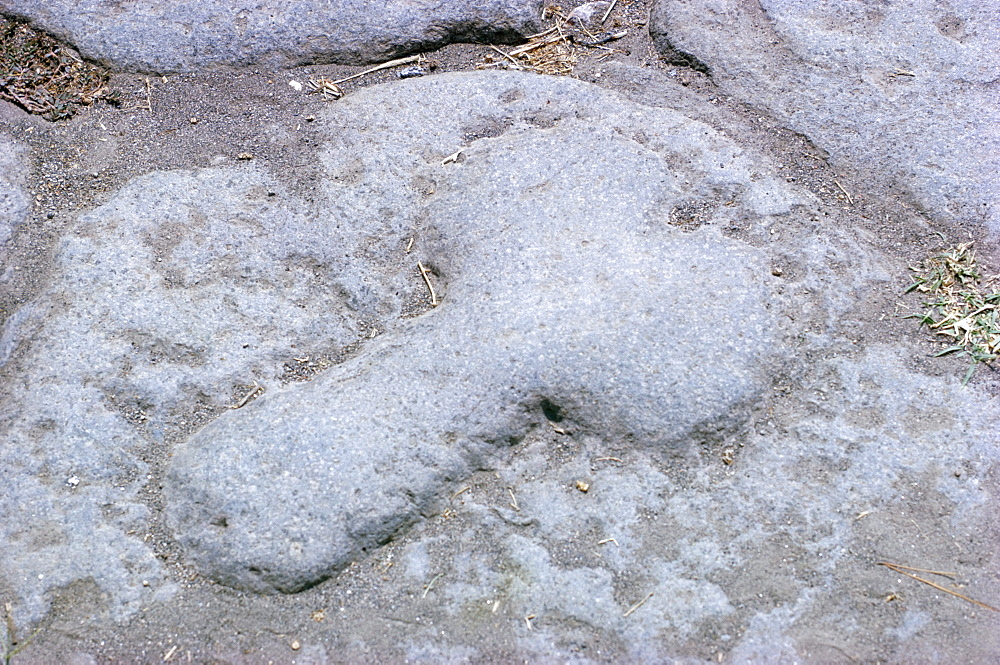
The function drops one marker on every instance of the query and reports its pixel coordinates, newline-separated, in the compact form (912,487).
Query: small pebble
(411,72)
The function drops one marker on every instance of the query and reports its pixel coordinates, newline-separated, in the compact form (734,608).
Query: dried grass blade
(900,570)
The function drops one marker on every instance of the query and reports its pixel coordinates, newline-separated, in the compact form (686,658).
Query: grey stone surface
(195,34)
(565,294)
(171,300)
(907,94)
(758,541)
(14,201)
(187,287)
(748,560)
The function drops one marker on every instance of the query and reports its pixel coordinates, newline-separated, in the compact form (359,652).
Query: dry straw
(962,305)
(555,51)
(43,76)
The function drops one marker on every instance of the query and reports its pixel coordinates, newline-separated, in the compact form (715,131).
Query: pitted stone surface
(565,296)
(14,202)
(171,299)
(168,300)
(905,93)
(822,500)
(194,34)
(564,287)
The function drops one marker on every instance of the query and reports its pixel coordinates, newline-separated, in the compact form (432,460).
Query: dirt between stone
(374,611)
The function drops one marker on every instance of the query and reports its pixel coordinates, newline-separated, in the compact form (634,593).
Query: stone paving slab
(192,35)
(540,318)
(14,201)
(665,409)
(905,94)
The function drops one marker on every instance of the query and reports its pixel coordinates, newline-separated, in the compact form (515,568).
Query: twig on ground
(638,605)
(516,63)
(431,583)
(384,65)
(326,87)
(922,570)
(543,33)
(453,157)
(608,13)
(846,193)
(246,398)
(900,569)
(549,52)
(531,46)
(427,280)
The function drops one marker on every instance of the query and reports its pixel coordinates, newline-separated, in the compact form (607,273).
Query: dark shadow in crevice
(552,412)
(674,56)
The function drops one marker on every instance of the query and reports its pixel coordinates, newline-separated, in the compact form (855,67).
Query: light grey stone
(863,447)
(195,34)
(857,457)
(905,94)
(14,201)
(169,301)
(187,287)
(566,296)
